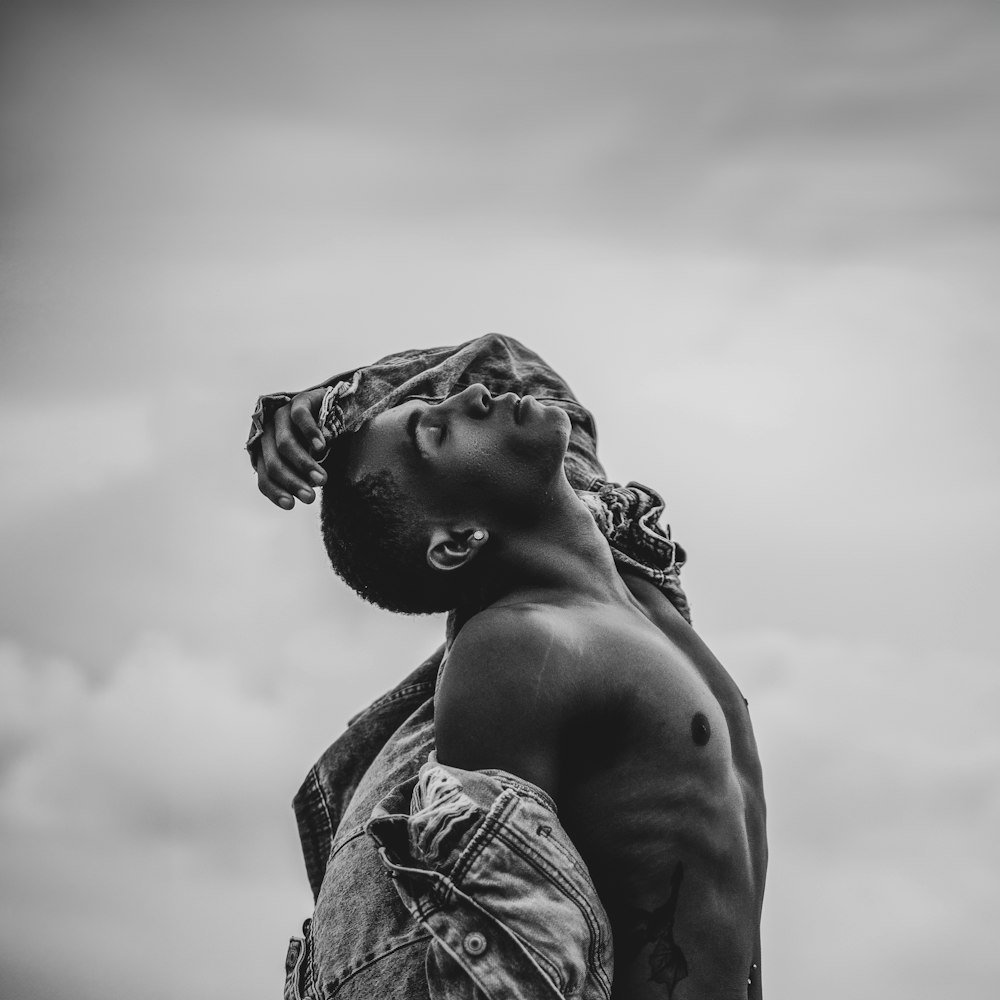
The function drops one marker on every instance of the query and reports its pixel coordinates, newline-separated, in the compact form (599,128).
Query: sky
(761,240)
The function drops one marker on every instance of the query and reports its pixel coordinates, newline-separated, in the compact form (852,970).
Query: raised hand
(287,464)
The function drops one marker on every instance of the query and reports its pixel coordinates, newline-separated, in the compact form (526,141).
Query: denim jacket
(480,860)
(362,942)
(460,884)
(366,938)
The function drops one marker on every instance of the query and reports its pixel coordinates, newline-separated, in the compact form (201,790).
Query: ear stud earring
(478,535)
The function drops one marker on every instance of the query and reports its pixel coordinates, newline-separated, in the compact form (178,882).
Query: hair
(375,535)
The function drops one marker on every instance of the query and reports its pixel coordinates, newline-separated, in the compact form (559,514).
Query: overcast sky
(761,241)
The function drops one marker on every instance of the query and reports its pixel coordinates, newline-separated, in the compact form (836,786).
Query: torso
(655,771)
(665,803)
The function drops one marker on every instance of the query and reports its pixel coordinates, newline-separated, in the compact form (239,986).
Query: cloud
(53,451)
(150,805)
(800,129)
(880,768)
(174,745)
(36,696)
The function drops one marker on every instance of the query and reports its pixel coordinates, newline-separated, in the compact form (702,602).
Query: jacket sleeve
(501,363)
(482,863)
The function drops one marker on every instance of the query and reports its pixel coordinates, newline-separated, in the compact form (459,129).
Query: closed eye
(411,432)
(435,422)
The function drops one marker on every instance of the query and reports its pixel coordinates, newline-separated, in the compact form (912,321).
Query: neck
(563,558)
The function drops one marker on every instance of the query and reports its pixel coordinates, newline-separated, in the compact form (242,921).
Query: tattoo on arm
(667,963)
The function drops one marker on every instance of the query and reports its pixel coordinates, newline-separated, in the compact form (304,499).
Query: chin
(558,419)
(542,443)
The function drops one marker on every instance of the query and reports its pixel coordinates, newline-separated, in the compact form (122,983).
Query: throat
(562,558)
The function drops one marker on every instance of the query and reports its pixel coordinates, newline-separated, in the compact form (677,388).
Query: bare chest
(662,769)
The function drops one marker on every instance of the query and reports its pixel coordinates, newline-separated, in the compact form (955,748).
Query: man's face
(474,454)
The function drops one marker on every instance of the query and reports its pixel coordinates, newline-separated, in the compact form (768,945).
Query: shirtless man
(584,681)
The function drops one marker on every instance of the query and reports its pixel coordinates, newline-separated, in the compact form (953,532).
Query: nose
(475,401)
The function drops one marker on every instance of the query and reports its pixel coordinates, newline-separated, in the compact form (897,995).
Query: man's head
(414,498)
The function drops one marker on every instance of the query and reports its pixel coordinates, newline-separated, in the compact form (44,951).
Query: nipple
(700,729)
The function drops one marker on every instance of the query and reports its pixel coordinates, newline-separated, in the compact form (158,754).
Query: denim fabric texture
(321,804)
(630,518)
(298,974)
(480,860)
(364,941)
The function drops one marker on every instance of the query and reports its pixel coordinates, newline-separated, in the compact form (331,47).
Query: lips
(520,407)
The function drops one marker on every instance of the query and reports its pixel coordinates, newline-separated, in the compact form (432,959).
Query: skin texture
(474,452)
(592,686)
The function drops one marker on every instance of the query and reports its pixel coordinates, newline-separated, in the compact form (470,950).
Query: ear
(453,548)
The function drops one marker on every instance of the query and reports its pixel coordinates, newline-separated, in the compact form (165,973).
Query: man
(572,675)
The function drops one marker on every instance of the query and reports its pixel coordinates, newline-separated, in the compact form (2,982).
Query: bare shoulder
(504,695)
(509,651)
(512,627)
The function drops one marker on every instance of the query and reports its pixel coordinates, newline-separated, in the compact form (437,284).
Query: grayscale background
(776,222)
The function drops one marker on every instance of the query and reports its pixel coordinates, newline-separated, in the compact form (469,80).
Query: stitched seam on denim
(328,816)
(568,888)
(331,987)
(342,842)
(427,908)
(502,806)
(426,904)
(522,787)
(557,877)
(493,823)
(315,826)
(478,985)
(575,862)
(597,938)
(313,985)
(392,697)
(544,962)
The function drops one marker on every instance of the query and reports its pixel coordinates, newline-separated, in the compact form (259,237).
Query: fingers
(285,470)
(303,410)
(296,460)
(272,481)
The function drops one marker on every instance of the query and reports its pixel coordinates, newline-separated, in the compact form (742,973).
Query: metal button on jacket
(474,943)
